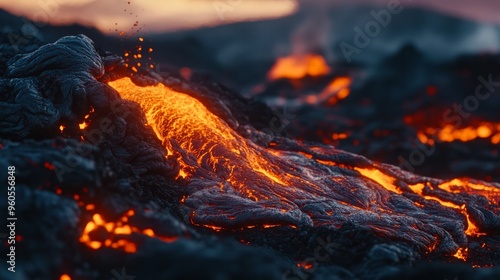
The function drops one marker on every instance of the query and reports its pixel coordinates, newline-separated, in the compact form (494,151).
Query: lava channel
(233,183)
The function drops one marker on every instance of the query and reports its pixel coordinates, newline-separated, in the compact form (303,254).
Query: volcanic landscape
(387,170)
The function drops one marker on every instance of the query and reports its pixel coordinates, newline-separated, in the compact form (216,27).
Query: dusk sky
(168,15)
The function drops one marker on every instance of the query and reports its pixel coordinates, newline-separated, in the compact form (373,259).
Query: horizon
(115,16)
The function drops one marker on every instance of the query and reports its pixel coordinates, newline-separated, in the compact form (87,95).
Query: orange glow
(483,131)
(418,188)
(149,232)
(115,229)
(339,136)
(496,139)
(468,186)
(448,133)
(337,90)
(298,67)
(65,277)
(82,126)
(384,180)
(209,138)
(305,265)
(472,229)
(462,254)
(459,186)
(202,142)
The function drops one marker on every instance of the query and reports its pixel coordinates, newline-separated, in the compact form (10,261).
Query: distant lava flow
(114,234)
(336,90)
(449,133)
(429,131)
(298,67)
(233,183)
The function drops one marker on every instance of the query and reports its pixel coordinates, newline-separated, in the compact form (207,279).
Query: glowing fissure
(379,177)
(472,229)
(228,175)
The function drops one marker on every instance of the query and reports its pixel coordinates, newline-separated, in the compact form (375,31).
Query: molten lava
(112,228)
(65,277)
(117,232)
(449,133)
(336,90)
(430,131)
(181,121)
(298,67)
(232,183)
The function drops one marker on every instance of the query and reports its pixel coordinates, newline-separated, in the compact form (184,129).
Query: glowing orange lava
(117,232)
(339,136)
(381,178)
(221,166)
(65,277)
(178,118)
(470,186)
(449,133)
(298,67)
(461,254)
(487,191)
(337,90)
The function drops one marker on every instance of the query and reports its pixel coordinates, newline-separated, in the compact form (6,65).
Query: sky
(111,16)
(152,15)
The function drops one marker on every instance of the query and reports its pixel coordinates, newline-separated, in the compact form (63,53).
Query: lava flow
(233,183)
(431,132)
(116,233)
(336,90)
(449,133)
(298,67)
